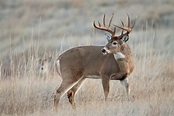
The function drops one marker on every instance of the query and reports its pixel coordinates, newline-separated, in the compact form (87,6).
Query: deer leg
(64,87)
(126,85)
(71,93)
(105,84)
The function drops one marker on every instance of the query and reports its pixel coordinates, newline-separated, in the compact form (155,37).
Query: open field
(32,29)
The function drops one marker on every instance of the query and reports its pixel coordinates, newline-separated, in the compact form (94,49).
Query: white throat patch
(119,55)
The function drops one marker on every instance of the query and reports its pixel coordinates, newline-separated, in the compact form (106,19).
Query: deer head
(115,41)
(44,66)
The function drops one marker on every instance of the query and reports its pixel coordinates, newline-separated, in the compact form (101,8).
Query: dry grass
(60,25)
(151,89)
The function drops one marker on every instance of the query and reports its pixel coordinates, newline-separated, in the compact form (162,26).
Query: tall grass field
(27,35)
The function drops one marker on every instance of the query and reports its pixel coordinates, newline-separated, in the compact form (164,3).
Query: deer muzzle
(105,50)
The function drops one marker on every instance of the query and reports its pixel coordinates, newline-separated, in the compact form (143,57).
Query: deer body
(111,62)
(89,61)
(83,62)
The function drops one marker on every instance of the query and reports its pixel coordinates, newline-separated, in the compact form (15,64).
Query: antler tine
(128,20)
(110,20)
(134,23)
(104,21)
(104,26)
(99,24)
(114,30)
(126,28)
(123,26)
(122,23)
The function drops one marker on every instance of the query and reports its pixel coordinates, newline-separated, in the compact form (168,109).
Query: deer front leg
(126,85)
(106,87)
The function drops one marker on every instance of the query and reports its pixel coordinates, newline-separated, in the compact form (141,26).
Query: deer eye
(114,43)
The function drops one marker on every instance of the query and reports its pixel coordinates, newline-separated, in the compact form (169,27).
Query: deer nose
(42,68)
(104,51)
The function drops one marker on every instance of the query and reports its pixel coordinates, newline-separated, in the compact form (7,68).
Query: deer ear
(108,37)
(124,39)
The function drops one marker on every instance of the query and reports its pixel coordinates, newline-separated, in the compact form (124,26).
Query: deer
(114,61)
(45,67)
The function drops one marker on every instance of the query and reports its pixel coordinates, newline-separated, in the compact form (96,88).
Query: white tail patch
(58,67)
(119,55)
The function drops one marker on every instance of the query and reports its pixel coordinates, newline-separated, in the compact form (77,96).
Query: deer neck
(120,53)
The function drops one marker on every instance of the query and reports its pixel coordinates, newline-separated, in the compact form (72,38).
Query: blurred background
(49,22)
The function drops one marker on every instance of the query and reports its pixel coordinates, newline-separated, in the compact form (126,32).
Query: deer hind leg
(126,85)
(64,87)
(71,93)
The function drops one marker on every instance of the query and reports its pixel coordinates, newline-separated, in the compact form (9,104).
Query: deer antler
(126,28)
(104,26)
(108,29)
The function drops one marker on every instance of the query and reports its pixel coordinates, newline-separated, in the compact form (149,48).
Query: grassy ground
(60,25)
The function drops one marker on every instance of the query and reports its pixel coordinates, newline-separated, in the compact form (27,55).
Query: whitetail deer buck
(111,62)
